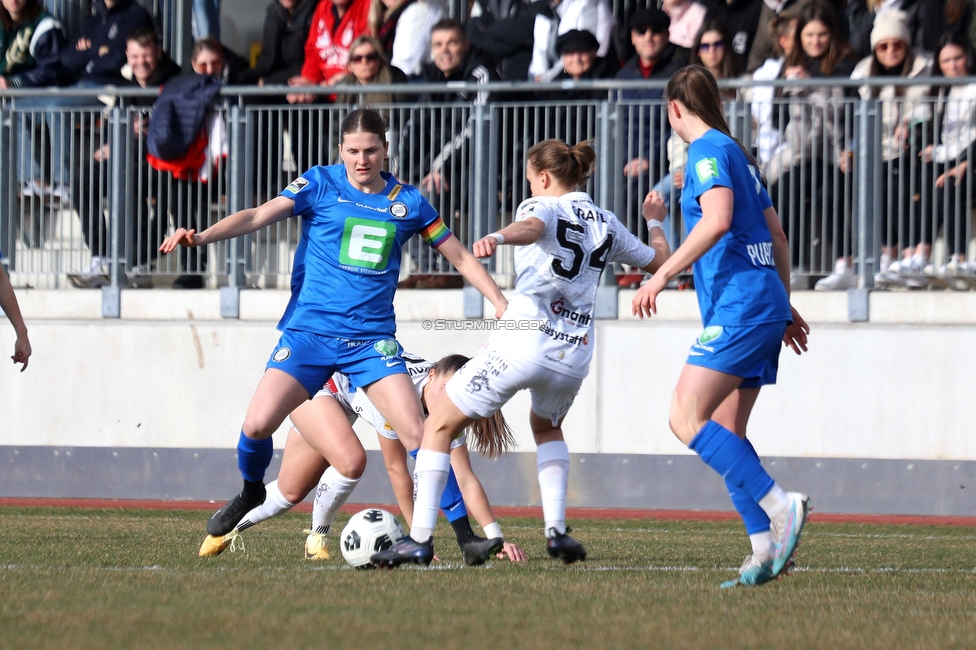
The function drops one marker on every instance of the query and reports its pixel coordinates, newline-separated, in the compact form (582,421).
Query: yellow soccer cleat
(214,545)
(316,546)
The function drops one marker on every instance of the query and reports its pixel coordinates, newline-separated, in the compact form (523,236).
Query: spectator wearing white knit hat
(903,110)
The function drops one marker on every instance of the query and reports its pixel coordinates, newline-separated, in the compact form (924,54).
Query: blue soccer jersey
(348,259)
(736,280)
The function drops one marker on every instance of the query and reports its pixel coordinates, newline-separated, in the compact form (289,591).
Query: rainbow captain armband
(436,233)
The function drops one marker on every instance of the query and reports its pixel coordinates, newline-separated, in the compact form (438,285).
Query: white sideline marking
(581,566)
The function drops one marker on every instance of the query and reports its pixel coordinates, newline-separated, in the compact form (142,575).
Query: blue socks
(733,459)
(752,515)
(253,457)
(452,503)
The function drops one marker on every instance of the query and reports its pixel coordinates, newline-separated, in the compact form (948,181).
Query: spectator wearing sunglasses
(712,48)
(903,115)
(368,65)
(741,19)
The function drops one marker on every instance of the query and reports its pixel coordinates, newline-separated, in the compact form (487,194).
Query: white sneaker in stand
(96,276)
(906,272)
(841,279)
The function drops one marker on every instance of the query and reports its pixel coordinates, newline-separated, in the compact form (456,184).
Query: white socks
(552,460)
(762,546)
(776,504)
(274,504)
(430,477)
(330,495)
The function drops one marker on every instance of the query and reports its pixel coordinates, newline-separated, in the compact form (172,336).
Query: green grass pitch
(79,578)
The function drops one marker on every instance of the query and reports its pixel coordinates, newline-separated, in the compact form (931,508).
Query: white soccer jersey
(557,278)
(355,401)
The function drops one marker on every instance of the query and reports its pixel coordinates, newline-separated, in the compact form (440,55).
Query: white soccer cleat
(786,531)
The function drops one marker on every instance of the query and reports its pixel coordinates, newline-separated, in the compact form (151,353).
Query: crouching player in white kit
(564,244)
(322,452)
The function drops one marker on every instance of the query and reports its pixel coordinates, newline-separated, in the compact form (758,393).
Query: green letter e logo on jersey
(706,168)
(366,243)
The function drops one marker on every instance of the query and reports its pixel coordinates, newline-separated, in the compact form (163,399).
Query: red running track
(509,511)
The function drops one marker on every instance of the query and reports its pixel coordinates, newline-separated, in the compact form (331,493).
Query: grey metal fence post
(230,296)
(182,32)
(866,180)
(606,294)
(118,223)
(474,306)
(8,207)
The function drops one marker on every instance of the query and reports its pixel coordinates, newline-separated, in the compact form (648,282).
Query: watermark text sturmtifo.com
(487,325)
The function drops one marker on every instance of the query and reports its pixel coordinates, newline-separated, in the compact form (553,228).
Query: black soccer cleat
(230,514)
(562,546)
(476,550)
(406,550)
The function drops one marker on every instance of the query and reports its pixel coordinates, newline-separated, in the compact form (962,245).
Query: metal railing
(74,183)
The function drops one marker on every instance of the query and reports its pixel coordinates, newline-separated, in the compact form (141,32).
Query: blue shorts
(750,352)
(312,358)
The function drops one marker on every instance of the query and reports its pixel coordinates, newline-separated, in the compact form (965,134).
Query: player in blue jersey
(563,242)
(355,220)
(742,271)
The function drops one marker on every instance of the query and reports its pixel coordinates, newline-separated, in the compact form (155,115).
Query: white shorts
(486,383)
(356,405)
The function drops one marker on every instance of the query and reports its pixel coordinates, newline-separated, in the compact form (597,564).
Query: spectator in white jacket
(403,29)
(956,136)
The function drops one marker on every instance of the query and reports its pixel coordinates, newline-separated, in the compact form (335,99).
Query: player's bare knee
(683,417)
(258,428)
(291,493)
(351,465)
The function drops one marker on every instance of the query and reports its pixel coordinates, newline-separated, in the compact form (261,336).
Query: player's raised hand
(654,207)
(796,333)
(182,237)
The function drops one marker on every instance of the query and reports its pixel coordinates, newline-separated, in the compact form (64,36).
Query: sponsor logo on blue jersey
(366,243)
(297,185)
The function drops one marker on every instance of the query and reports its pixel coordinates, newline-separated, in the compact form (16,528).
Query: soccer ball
(369,531)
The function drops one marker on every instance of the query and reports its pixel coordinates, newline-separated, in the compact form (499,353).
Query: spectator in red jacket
(335,25)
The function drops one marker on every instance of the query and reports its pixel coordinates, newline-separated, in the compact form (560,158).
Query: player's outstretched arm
(476,501)
(473,272)
(519,233)
(10,306)
(233,225)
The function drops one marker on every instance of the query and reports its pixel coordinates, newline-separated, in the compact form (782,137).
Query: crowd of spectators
(342,46)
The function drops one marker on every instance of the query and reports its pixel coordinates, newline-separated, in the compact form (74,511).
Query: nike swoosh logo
(390,364)
(341,200)
(696,354)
